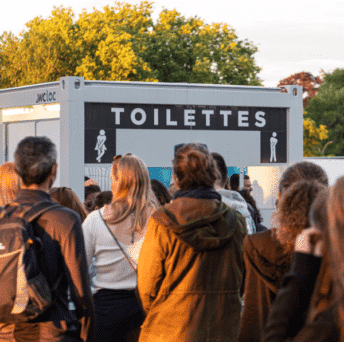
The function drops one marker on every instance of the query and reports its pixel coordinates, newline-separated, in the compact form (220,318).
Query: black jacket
(287,318)
(63,252)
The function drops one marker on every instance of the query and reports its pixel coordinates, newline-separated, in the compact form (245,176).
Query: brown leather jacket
(190,272)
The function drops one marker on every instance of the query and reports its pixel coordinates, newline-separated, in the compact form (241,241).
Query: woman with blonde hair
(10,183)
(113,238)
(9,187)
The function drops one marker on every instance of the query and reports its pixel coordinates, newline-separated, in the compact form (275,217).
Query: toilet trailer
(257,130)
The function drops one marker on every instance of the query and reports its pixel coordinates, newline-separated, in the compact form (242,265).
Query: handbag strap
(131,262)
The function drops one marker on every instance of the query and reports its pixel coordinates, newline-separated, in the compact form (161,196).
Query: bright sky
(292,36)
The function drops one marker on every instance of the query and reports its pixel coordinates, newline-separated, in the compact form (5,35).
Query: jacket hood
(203,224)
(266,257)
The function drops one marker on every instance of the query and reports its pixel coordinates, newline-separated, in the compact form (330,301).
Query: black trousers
(118,315)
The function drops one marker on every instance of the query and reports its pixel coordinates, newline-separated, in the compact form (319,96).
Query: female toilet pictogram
(100,147)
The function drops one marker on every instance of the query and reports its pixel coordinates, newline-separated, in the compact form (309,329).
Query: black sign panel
(102,120)
(273,147)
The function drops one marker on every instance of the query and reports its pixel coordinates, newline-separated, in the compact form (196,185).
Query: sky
(291,36)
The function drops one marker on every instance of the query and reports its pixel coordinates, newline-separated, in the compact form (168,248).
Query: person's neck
(218,186)
(40,187)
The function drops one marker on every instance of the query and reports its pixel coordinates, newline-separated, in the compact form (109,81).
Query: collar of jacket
(31,196)
(200,192)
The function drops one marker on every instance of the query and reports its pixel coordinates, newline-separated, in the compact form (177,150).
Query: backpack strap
(31,213)
(8,209)
(38,209)
(73,325)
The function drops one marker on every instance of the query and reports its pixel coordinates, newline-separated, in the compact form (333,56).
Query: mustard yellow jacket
(190,272)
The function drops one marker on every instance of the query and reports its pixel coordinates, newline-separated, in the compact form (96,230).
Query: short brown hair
(194,167)
(34,159)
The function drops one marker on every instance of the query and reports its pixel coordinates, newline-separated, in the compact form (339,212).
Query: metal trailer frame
(73,92)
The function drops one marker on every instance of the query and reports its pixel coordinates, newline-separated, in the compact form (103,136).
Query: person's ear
(54,170)
(175,180)
(278,197)
(52,176)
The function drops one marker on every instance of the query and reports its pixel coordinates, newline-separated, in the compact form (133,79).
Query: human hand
(310,241)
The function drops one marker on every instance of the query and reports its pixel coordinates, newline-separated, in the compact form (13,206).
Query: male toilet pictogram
(273,143)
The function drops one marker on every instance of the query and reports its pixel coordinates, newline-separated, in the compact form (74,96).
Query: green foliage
(327,108)
(188,50)
(312,139)
(42,53)
(110,42)
(122,42)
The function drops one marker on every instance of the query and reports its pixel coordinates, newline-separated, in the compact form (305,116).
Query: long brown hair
(335,214)
(292,215)
(68,198)
(10,183)
(131,192)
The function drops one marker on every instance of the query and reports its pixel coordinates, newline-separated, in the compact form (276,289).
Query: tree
(42,53)
(111,43)
(188,50)
(313,138)
(327,108)
(96,46)
(123,43)
(8,48)
(309,83)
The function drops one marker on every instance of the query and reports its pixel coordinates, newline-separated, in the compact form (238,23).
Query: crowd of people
(191,263)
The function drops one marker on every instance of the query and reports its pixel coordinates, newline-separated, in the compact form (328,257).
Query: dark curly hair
(292,215)
(194,167)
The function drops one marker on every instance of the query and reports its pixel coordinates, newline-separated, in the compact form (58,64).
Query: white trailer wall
(241,144)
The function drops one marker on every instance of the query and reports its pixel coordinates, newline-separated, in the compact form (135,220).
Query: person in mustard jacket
(190,268)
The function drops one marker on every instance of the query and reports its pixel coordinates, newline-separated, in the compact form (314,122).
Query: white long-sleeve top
(108,267)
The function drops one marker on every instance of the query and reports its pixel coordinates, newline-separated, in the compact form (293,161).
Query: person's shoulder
(94,215)
(62,215)
(232,213)
(234,218)
(265,248)
(93,218)
(259,241)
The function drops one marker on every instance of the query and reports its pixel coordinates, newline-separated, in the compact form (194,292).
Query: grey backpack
(25,292)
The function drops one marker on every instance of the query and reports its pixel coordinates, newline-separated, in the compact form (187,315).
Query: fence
(101,175)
